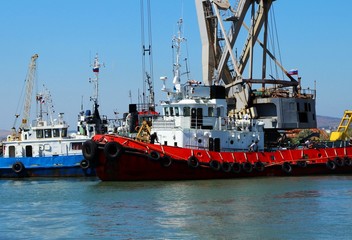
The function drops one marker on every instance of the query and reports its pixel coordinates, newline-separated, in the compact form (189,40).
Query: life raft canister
(112,150)
(89,149)
(18,167)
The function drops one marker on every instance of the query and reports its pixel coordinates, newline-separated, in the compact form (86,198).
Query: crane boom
(31,75)
(226,28)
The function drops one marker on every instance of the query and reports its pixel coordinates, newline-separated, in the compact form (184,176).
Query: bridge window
(171,111)
(39,133)
(186,111)
(166,111)
(210,111)
(64,132)
(12,151)
(177,111)
(47,133)
(218,112)
(77,146)
(56,132)
(29,152)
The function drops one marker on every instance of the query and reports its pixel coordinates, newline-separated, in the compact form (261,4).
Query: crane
(342,131)
(243,27)
(31,76)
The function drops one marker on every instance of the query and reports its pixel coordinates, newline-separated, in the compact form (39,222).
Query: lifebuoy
(193,162)
(302,164)
(18,167)
(348,161)
(165,161)
(259,166)
(331,164)
(89,149)
(112,150)
(247,167)
(84,164)
(215,165)
(236,167)
(286,167)
(154,155)
(339,161)
(226,166)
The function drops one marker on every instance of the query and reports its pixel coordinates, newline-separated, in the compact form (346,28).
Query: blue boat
(45,148)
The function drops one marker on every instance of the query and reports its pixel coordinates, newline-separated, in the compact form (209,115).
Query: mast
(177,40)
(44,100)
(95,81)
(148,102)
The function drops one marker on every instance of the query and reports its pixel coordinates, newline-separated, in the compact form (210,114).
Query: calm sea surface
(262,208)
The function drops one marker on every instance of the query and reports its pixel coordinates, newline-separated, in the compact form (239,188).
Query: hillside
(328,122)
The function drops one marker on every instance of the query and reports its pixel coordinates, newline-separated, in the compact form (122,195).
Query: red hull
(129,160)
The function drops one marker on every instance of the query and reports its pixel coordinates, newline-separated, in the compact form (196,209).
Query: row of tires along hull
(113,150)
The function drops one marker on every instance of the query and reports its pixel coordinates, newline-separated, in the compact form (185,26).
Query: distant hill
(328,122)
(323,122)
(3,134)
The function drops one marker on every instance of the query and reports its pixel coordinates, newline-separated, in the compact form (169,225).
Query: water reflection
(269,208)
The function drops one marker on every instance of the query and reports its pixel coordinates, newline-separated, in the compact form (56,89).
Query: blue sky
(314,37)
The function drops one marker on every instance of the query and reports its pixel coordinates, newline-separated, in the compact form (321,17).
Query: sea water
(258,208)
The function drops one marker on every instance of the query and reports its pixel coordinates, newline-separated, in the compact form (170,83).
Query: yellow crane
(31,75)
(341,132)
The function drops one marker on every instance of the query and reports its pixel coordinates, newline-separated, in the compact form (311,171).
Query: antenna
(177,40)
(130,95)
(96,69)
(148,80)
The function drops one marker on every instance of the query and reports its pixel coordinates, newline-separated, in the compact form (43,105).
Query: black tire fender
(166,161)
(154,155)
(348,161)
(331,164)
(84,164)
(89,149)
(247,167)
(193,162)
(286,167)
(259,166)
(112,150)
(18,167)
(339,161)
(236,167)
(215,165)
(226,166)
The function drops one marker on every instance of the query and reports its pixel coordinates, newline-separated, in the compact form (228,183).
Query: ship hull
(55,166)
(136,161)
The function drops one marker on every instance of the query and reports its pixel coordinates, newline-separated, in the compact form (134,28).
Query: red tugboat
(219,131)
